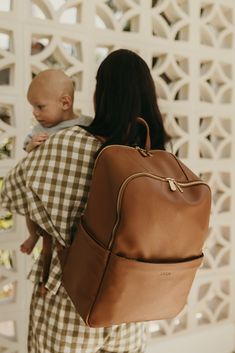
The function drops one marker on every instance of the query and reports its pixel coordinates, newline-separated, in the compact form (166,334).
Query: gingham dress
(51,186)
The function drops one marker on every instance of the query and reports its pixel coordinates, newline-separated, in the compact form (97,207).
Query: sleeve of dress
(13,195)
(25,188)
(52,183)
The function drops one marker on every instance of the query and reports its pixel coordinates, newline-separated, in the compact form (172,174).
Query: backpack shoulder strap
(148,139)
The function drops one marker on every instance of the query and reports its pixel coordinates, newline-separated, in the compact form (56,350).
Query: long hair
(124,91)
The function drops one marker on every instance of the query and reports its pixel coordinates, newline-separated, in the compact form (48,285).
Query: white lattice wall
(190,46)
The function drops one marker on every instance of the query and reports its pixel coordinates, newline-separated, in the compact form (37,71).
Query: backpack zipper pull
(174,185)
(171,184)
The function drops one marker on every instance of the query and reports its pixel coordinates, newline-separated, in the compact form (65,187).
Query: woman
(51,186)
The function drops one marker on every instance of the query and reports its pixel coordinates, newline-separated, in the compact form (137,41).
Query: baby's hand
(36,140)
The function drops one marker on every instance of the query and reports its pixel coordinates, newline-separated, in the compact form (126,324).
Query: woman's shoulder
(72,139)
(66,146)
(75,133)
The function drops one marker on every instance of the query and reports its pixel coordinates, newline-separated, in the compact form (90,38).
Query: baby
(51,95)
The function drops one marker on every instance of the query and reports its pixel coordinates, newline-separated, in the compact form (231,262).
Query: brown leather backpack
(139,242)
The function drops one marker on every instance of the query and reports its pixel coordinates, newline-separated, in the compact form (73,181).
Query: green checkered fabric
(56,327)
(51,186)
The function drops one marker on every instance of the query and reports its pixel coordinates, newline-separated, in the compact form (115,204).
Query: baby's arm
(36,140)
(28,245)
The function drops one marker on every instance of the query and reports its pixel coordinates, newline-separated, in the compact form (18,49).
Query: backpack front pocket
(134,291)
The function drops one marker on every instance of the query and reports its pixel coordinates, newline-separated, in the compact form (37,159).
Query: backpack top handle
(148,139)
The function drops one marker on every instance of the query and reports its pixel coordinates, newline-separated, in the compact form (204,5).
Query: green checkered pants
(55,327)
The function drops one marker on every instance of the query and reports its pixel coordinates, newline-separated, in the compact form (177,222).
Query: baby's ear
(66,101)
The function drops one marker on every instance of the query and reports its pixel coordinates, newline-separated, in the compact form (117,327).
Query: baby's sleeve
(27,140)
(33,130)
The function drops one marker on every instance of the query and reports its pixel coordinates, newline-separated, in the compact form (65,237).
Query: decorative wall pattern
(189,46)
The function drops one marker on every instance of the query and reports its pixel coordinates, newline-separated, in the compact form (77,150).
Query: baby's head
(51,95)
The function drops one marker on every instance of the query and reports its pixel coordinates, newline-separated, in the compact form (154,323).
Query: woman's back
(51,186)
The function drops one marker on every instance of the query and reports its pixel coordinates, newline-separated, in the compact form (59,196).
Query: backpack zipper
(173,185)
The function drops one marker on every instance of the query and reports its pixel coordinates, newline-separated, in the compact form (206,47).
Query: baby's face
(46,109)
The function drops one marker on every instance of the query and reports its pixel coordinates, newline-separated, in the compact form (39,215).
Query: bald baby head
(53,83)
(51,95)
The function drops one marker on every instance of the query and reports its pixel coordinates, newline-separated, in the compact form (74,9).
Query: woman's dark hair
(124,91)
